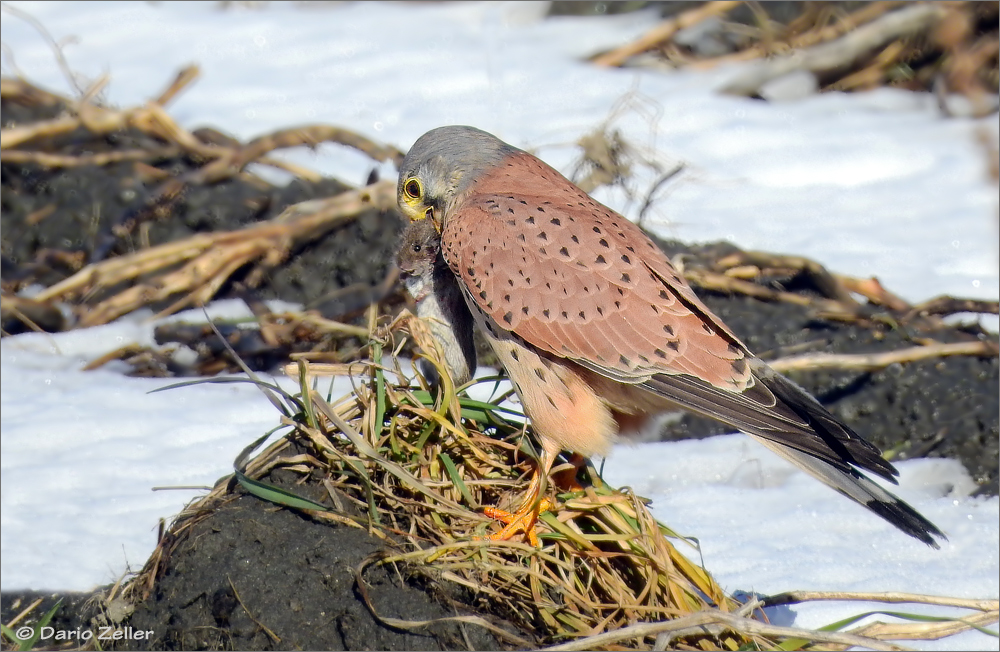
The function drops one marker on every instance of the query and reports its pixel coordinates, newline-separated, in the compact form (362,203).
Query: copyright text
(79,634)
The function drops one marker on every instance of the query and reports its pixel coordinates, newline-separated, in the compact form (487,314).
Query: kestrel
(596,329)
(439,301)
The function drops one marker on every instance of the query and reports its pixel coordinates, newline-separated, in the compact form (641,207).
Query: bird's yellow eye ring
(413,189)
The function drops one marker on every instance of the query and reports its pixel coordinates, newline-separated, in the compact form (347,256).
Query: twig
(894,597)
(766,29)
(329,325)
(988,144)
(863,15)
(293,169)
(210,258)
(185,77)
(99,159)
(419,624)
(39,316)
(710,622)
(927,631)
(871,289)
(945,305)
(664,31)
(226,161)
(323,369)
(913,631)
(56,48)
(26,93)
(648,202)
(274,637)
(117,354)
(841,52)
(235,159)
(827,283)
(24,612)
(876,361)
(150,119)
(722,283)
(874,73)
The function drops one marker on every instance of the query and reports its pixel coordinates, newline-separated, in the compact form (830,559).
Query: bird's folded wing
(581,282)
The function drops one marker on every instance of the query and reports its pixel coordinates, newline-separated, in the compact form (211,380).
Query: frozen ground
(873,184)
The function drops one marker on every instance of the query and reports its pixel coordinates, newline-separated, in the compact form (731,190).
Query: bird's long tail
(793,424)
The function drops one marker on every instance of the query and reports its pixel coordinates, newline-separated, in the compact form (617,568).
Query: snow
(868,184)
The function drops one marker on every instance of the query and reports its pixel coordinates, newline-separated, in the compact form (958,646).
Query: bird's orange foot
(524,520)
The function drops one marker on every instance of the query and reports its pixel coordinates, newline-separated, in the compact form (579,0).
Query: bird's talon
(524,521)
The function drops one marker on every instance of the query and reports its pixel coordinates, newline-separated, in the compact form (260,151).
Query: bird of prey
(439,301)
(598,332)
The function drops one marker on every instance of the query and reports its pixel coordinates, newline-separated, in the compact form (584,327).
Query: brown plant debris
(764,275)
(114,266)
(207,260)
(942,47)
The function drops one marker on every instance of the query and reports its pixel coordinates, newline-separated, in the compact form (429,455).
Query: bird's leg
(564,480)
(535,502)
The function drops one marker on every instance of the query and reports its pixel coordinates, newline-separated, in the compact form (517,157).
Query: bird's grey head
(441,165)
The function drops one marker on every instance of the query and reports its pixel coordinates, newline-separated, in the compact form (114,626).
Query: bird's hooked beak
(428,214)
(414,203)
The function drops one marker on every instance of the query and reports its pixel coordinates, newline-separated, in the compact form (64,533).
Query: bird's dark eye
(413,189)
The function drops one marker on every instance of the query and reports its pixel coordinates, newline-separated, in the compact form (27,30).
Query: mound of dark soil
(252,576)
(251,565)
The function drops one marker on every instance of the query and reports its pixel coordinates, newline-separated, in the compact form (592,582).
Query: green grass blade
(479,411)
(489,407)
(379,389)
(267,388)
(239,464)
(307,405)
(277,495)
(456,479)
(425,398)
(10,635)
(425,434)
(26,644)
(362,472)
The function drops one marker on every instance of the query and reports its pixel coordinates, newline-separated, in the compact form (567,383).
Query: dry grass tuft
(423,475)
(415,468)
